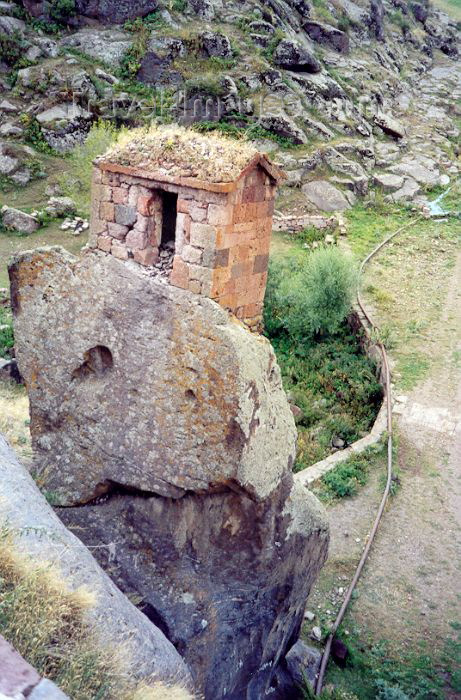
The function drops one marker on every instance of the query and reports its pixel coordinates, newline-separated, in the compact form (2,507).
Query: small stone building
(194,209)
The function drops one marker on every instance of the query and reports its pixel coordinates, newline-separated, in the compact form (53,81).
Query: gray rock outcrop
(325,196)
(164,420)
(292,56)
(328,35)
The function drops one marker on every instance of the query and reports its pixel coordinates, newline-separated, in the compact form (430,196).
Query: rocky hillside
(360,99)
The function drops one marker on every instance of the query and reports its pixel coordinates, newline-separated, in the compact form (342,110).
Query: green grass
(250,130)
(6,332)
(368,225)
(451,7)
(76,182)
(335,386)
(374,671)
(345,479)
(413,367)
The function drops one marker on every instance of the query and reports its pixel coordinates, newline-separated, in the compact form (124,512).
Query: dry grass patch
(45,622)
(14,418)
(180,152)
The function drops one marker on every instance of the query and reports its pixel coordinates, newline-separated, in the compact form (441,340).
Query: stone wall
(222,234)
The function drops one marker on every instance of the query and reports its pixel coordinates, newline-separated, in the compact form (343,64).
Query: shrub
(33,134)
(62,10)
(77,181)
(6,333)
(12,48)
(346,477)
(388,692)
(318,297)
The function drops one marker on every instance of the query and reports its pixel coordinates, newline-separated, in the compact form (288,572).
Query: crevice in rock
(109,489)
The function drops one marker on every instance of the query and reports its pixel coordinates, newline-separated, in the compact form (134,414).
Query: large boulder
(18,220)
(292,56)
(284,127)
(215,401)
(327,35)
(161,424)
(325,196)
(108,45)
(390,125)
(216,45)
(37,532)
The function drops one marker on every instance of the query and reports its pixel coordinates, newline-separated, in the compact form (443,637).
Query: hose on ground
(371,536)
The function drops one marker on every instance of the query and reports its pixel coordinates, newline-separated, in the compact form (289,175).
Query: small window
(170,207)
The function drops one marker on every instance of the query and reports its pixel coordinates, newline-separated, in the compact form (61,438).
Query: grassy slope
(451,7)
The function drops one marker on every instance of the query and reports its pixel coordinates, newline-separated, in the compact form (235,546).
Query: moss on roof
(179,152)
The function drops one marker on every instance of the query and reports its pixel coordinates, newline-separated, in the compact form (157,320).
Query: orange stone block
(107,211)
(180,273)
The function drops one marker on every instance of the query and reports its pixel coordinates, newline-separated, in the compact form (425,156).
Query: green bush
(388,692)
(327,375)
(6,332)
(346,477)
(12,48)
(62,10)
(33,134)
(77,181)
(315,299)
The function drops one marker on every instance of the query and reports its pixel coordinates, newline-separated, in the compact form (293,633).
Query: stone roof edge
(259,159)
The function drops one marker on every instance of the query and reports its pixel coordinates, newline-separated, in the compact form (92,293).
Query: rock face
(292,56)
(219,408)
(167,418)
(328,35)
(325,196)
(108,11)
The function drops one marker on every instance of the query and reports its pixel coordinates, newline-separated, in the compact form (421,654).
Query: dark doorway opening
(170,208)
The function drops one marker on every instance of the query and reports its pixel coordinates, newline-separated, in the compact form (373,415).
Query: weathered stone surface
(219,411)
(38,532)
(215,44)
(170,410)
(19,220)
(292,56)
(419,171)
(16,675)
(389,125)
(409,189)
(326,34)
(108,45)
(283,126)
(325,196)
(46,690)
(206,565)
(388,182)
(303,662)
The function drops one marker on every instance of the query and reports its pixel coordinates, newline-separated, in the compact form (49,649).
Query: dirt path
(411,588)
